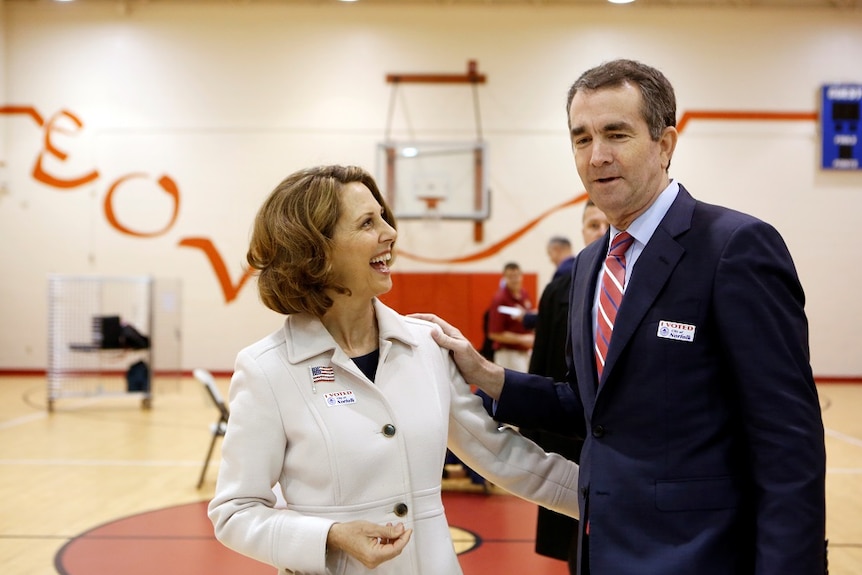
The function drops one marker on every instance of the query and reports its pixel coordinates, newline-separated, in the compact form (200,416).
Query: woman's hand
(369,543)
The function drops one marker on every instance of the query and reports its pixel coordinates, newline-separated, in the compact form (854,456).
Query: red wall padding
(459,298)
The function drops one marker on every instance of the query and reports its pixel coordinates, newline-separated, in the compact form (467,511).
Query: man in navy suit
(704,451)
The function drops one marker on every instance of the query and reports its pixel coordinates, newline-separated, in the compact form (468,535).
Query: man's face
(557,253)
(621,166)
(595,224)
(514,279)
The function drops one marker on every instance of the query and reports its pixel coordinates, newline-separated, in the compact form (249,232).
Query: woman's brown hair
(291,242)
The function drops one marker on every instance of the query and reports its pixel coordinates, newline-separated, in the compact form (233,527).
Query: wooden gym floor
(101,486)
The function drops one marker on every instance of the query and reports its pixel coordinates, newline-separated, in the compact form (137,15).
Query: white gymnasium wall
(228,98)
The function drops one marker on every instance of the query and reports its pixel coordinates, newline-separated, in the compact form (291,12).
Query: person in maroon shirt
(512,341)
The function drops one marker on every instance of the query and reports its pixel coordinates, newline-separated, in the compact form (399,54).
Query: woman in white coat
(350,406)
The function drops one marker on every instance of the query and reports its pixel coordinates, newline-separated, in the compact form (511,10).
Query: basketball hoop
(431,203)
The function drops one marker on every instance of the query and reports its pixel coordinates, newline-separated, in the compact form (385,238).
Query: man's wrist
(493,380)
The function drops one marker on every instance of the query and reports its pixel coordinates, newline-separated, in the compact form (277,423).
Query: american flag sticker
(321,374)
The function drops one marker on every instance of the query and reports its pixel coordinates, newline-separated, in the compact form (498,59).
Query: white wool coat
(345,448)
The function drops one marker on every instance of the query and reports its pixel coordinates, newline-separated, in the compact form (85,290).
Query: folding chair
(220,426)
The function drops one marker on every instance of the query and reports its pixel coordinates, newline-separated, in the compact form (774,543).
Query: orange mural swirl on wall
(67,123)
(498,246)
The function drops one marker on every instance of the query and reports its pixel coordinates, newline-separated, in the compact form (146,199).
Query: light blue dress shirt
(641,230)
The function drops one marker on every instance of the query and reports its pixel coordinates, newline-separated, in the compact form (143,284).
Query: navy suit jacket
(705,454)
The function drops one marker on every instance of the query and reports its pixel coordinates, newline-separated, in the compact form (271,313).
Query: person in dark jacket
(557,534)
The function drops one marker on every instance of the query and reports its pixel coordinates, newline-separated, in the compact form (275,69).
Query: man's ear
(667,143)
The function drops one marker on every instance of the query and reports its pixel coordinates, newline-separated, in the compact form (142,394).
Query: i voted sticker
(345,397)
(675,330)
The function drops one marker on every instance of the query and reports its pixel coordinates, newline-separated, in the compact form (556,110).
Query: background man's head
(595,223)
(513,276)
(559,249)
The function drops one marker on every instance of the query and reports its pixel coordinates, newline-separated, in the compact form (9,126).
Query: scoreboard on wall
(842,131)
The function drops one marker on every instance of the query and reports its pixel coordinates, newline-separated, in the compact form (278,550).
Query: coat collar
(306,337)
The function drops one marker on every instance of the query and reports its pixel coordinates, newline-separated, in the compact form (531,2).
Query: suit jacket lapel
(589,261)
(651,273)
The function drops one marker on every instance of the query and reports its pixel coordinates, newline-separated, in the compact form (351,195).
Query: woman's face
(363,244)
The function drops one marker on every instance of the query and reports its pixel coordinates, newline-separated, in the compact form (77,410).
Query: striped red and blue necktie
(610,295)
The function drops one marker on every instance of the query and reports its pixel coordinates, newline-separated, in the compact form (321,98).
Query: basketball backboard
(425,180)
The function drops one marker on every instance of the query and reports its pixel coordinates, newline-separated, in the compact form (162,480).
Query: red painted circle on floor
(179,540)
